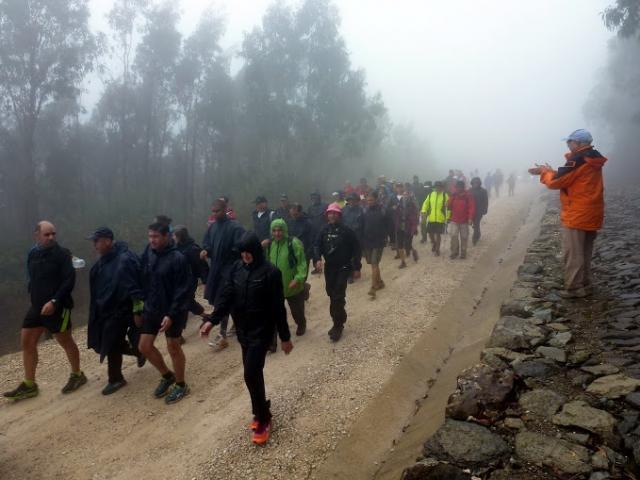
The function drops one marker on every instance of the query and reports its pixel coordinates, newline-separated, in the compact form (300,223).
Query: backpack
(293,260)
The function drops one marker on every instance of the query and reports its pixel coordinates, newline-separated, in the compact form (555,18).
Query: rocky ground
(557,394)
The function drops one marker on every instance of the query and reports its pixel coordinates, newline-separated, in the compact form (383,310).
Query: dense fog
(113,112)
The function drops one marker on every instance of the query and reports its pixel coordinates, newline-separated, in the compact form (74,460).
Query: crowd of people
(249,274)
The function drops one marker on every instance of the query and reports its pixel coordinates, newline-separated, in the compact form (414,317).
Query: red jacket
(462,207)
(581,189)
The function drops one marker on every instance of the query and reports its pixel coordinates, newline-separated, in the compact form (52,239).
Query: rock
(465,444)
(530,269)
(599,476)
(431,469)
(579,356)
(541,368)
(560,340)
(613,386)
(552,353)
(541,402)
(599,370)
(544,314)
(479,387)
(599,460)
(581,438)
(636,453)
(614,457)
(580,414)
(558,327)
(506,354)
(633,399)
(552,452)
(493,361)
(517,308)
(514,423)
(581,380)
(515,333)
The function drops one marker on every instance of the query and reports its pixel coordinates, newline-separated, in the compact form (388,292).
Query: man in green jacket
(435,212)
(287,254)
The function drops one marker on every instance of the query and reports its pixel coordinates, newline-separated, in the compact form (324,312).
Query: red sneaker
(261,435)
(254,424)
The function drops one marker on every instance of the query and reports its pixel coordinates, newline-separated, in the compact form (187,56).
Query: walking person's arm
(68,281)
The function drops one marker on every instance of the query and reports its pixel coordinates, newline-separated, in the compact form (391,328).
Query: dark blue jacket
(220,243)
(302,229)
(262,224)
(115,284)
(166,280)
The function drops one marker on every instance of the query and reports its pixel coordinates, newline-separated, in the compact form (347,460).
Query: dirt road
(318,392)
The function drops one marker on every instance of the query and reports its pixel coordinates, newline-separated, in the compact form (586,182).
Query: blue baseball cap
(581,136)
(102,232)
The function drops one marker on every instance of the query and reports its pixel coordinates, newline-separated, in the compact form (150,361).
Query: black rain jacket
(375,228)
(220,243)
(339,246)
(166,280)
(51,276)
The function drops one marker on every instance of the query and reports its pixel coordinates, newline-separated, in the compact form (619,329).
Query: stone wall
(557,392)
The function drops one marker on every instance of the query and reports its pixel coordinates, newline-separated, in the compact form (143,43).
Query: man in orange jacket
(582,208)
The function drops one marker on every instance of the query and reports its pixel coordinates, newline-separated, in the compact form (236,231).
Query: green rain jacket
(280,252)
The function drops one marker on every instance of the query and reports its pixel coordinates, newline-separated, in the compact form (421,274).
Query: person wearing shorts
(373,239)
(51,281)
(166,279)
(435,213)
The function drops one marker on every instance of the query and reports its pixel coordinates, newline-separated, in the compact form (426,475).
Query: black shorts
(58,322)
(433,227)
(151,324)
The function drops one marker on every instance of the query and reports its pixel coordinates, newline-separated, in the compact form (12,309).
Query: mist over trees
(615,101)
(174,126)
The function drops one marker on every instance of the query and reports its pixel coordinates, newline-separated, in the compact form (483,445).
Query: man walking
(51,281)
(166,280)
(462,213)
(341,251)
(116,296)
(373,240)
(300,227)
(287,254)
(316,215)
(253,294)
(481,201)
(219,247)
(582,208)
(435,212)
(262,217)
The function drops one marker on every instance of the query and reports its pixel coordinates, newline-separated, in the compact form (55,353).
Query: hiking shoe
(402,265)
(219,344)
(22,392)
(414,253)
(301,330)
(575,293)
(261,434)
(164,385)
(141,360)
(113,387)
(176,393)
(253,426)
(76,380)
(335,333)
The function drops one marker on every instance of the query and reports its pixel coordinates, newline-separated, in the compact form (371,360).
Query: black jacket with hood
(339,246)
(115,284)
(254,296)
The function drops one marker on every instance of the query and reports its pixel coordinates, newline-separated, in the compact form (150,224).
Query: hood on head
(250,243)
(279,222)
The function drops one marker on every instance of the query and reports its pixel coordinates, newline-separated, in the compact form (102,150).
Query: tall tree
(46,49)
(623,17)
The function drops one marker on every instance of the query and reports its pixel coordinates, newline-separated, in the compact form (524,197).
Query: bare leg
(177,358)
(151,353)
(29,341)
(66,341)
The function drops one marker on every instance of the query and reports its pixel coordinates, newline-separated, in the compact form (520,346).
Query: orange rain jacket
(581,189)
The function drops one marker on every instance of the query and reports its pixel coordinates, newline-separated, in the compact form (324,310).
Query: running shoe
(164,385)
(300,330)
(22,392)
(219,344)
(76,380)
(113,387)
(176,393)
(335,333)
(261,434)
(253,426)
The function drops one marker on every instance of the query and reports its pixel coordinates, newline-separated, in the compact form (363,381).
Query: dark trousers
(336,285)
(114,365)
(195,307)
(296,305)
(253,357)
(476,229)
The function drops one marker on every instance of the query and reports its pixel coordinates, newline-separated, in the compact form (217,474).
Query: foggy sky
(485,82)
